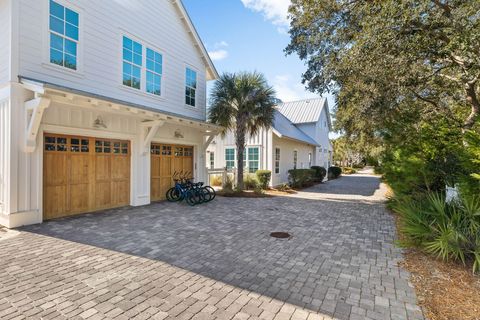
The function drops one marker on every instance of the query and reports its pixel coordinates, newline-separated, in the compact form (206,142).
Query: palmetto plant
(243,103)
(446,230)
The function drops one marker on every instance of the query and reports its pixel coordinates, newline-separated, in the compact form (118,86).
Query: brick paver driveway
(215,261)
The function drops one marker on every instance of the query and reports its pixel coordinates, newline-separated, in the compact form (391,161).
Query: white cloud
(288,90)
(217,55)
(219,52)
(275,11)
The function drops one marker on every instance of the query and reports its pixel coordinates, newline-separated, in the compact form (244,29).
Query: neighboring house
(298,139)
(100,103)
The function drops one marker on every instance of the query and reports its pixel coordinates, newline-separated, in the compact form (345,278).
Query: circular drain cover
(280,235)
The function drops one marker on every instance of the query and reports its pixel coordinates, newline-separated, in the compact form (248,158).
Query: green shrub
(283,187)
(348,170)
(320,173)
(446,230)
(334,172)
(228,185)
(250,182)
(299,178)
(263,177)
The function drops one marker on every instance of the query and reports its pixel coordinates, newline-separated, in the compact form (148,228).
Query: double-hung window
(295,159)
(230,158)
(253,159)
(154,72)
(64,31)
(212,160)
(190,87)
(309,159)
(277,160)
(132,63)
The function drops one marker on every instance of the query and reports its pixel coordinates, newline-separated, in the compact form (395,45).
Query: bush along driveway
(171,261)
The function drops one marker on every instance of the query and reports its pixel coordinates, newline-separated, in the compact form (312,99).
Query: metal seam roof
(303,111)
(287,129)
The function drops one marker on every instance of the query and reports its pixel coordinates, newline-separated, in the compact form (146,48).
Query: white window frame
(277,161)
(247,152)
(212,159)
(142,66)
(310,159)
(187,66)
(234,157)
(79,72)
(143,73)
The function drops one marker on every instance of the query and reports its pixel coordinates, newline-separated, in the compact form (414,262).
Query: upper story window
(64,30)
(154,72)
(230,158)
(277,160)
(132,63)
(190,87)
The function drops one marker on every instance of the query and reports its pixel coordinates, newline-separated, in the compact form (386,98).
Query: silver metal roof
(303,111)
(284,128)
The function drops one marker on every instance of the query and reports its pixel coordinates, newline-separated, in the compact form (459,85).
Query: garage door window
(55,143)
(79,145)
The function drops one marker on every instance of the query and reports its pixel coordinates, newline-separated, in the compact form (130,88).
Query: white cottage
(297,139)
(101,102)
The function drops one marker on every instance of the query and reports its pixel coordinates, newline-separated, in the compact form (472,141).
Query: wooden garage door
(82,174)
(167,159)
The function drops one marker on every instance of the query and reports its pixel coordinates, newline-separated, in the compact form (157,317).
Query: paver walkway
(215,261)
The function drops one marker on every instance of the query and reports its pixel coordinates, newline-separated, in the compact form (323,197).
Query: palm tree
(243,103)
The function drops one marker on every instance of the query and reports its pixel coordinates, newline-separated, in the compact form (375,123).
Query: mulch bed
(445,291)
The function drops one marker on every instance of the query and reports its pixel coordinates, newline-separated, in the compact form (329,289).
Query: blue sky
(251,35)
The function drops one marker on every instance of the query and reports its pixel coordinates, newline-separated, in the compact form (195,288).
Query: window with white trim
(64,35)
(212,160)
(295,159)
(190,86)
(229,158)
(277,160)
(309,159)
(253,159)
(132,63)
(154,72)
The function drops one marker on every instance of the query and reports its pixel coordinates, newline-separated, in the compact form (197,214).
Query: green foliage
(348,170)
(334,172)
(299,178)
(264,177)
(250,182)
(283,187)
(228,185)
(243,103)
(448,231)
(320,173)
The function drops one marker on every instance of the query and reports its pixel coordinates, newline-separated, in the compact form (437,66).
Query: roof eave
(212,73)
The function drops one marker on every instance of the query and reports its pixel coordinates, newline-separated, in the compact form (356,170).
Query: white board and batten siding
(4,161)
(5,35)
(156,24)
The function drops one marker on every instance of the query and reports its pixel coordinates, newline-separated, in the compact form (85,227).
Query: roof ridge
(302,100)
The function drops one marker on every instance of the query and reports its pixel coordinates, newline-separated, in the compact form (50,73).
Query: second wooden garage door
(84,174)
(166,160)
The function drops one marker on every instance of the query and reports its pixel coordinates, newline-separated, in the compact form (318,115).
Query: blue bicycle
(185,189)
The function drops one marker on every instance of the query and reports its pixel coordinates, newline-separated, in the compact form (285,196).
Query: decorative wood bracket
(151,129)
(209,140)
(36,106)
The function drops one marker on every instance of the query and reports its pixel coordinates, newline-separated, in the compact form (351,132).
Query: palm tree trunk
(240,142)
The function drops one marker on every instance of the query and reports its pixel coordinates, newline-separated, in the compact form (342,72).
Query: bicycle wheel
(212,192)
(169,195)
(207,196)
(190,198)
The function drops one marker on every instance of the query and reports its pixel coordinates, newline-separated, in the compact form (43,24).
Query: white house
(298,139)
(100,103)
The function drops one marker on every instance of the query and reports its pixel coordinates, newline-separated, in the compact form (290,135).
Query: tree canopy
(244,104)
